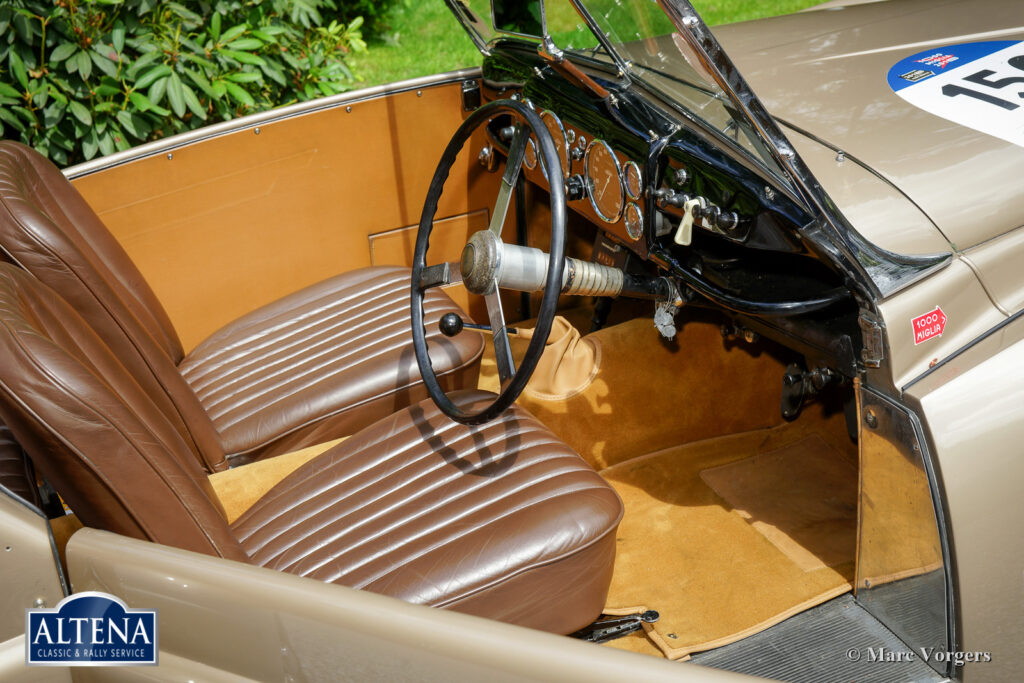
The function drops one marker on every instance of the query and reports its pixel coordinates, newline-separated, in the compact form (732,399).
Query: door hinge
(872,327)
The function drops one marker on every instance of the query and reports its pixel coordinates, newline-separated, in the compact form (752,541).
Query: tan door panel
(449,236)
(226,224)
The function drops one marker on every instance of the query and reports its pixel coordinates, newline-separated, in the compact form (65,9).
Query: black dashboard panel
(677,161)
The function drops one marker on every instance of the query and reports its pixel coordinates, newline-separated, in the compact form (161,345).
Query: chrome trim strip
(225,127)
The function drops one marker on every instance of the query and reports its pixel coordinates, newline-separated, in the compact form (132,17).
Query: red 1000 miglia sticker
(928,326)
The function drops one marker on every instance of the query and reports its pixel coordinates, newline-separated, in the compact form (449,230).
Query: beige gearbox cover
(568,365)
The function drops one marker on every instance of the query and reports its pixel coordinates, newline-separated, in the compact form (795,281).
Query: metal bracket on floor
(612,628)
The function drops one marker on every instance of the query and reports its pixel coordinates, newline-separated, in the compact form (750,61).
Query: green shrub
(376,13)
(85,77)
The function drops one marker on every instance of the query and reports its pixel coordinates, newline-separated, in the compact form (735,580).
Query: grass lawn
(425,38)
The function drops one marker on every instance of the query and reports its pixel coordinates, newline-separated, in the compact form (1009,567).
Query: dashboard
(677,194)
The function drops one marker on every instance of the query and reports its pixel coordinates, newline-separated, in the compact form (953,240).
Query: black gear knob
(451,324)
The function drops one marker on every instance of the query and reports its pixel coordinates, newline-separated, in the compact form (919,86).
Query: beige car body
(966,389)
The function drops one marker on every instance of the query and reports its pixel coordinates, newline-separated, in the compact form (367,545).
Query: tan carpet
(801,498)
(649,394)
(690,554)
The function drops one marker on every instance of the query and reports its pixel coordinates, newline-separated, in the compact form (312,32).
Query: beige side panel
(13,669)
(235,619)
(28,573)
(969,314)
(998,263)
(224,225)
(974,409)
(28,570)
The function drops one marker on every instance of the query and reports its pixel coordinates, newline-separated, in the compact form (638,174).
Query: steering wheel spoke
(499,332)
(440,275)
(516,152)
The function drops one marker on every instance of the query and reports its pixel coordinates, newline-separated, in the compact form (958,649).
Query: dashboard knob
(575,188)
(728,221)
(451,324)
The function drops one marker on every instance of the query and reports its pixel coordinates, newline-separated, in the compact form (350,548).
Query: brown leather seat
(502,521)
(16,473)
(318,364)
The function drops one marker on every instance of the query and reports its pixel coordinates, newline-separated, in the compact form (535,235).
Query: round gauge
(634,219)
(604,181)
(557,130)
(530,154)
(632,178)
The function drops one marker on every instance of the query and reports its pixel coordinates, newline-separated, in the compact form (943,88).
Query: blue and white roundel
(977,85)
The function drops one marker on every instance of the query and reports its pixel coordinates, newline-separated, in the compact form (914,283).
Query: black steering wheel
(480,267)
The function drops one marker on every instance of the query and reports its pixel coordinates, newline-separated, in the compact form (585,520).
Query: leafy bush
(376,13)
(82,77)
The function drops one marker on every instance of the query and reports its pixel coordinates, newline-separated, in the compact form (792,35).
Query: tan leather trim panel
(449,236)
(222,226)
(233,619)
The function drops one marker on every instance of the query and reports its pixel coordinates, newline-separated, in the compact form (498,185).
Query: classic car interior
(632,399)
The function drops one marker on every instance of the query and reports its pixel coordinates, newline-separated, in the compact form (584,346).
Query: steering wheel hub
(481,259)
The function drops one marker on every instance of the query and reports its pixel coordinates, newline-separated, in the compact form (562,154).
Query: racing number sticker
(977,85)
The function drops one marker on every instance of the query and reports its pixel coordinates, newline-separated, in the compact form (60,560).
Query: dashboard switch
(575,188)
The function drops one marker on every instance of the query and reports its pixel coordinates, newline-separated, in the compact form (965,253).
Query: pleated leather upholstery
(323,362)
(332,388)
(47,228)
(93,432)
(15,468)
(502,520)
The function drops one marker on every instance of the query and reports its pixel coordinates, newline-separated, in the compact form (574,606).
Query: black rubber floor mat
(837,641)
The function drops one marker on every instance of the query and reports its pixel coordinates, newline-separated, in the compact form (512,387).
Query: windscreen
(645,43)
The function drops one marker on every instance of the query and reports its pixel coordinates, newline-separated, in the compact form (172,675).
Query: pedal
(613,628)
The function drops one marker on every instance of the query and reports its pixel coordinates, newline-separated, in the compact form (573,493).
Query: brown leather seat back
(47,228)
(93,431)
(16,473)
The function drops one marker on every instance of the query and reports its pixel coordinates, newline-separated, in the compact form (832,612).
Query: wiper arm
(556,58)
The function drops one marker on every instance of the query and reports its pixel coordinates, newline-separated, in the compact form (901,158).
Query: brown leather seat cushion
(323,362)
(16,469)
(333,388)
(502,521)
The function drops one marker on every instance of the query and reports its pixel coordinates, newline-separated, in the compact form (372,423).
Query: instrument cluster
(612,183)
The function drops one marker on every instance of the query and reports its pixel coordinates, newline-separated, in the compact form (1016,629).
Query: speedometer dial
(557,130)
(604,181)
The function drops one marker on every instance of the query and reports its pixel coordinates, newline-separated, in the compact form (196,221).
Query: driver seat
(316,365)
(503,520)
